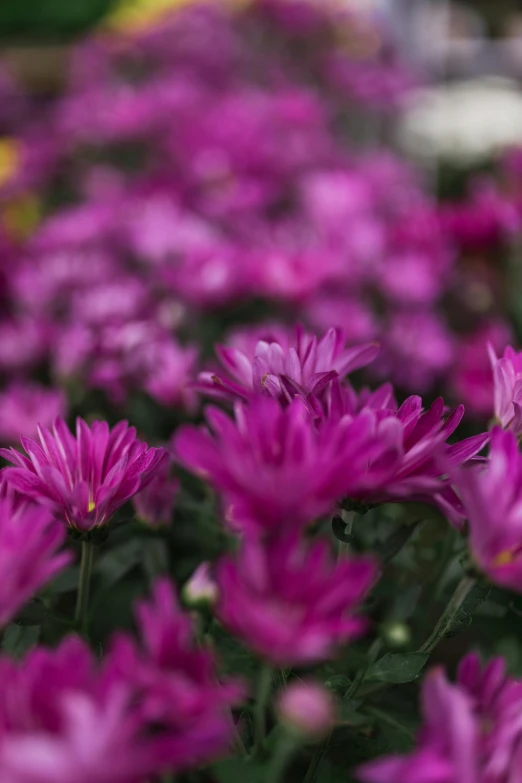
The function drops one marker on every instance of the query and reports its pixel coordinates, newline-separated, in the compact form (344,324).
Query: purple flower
(414,454)
(154,504)
(471,376)
(83,479)
(176,685)
(25,405)
(289,602)
(64,719)
(507,382)
(149,709)
(491,495)
(471,733)
(273,466)
(29,558)
(301,365)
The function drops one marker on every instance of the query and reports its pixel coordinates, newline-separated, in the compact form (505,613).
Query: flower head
(307,709)
(273,466)
(414,454)
(175,680)
(154,503)
(300,364)
(83,479)
(471,732)
(30,540)
(507,382)
(25,405)
(289,602)
(491,495)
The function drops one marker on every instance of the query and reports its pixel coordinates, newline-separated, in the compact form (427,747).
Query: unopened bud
(396,634)
(200,588)
(307,709)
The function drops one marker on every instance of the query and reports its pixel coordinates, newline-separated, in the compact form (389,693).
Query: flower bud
(396,634)
(200,588)
(307,709)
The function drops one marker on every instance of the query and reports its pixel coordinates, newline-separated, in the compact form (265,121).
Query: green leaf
(18,639)
(64,582)
(464,615)
(117,562)
(33,613)
(350,717)
(397,668)
(236,770)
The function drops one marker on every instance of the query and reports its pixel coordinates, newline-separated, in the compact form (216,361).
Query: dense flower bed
(214,261)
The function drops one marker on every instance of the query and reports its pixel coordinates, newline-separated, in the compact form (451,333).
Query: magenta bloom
(273,466)
(83,479)
(30,540)
(176,685)
(507,381)
(288,600)
(25,405)
(155,503)
(471,733)
(301,364)
(414,454)
(492,496)
(145,711)
(64,719)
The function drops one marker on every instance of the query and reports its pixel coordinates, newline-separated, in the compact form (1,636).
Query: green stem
(280,759)
(82,598)
(348,518)
(446,619)
(263,692)
(350,694)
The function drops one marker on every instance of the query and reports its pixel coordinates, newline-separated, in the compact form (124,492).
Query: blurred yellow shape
(132,16)
(10,158)
(20,216)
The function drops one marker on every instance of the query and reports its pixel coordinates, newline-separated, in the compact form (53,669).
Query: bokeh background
(171,172)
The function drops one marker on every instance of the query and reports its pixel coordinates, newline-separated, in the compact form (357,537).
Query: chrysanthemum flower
(289,602)
(507,383)
(83,479)
(300,364)
(491,495)
(471,732)
(30,540)
(273,466)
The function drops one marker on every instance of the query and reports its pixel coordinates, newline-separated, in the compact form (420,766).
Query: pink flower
(83,479)
(170,369)
(491,495)
(64,719)
(149,709)
(471,733)
(25,405)
(414,454)
(176,684)
(307,709)
(273,466)
(29,558)
(289,602)
(471,375)
(301,364)
(507,381)
(155,503)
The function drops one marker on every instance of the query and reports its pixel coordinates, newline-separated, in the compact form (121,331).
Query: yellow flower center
(91,506)
(506,557)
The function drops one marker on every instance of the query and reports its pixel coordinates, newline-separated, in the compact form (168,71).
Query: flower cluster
(65,717)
